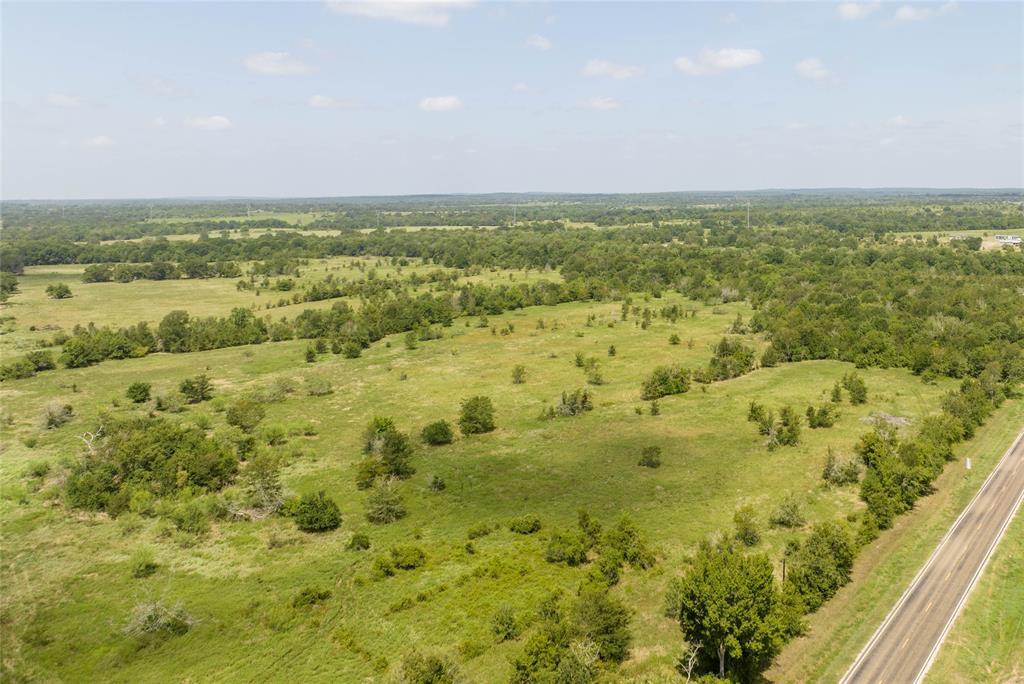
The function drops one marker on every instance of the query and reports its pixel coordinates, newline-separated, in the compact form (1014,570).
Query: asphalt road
(904,646)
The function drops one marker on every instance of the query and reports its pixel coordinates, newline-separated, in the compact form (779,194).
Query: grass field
(149,300)
(68,587)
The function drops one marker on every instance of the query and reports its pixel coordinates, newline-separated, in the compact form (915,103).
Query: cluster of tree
(781,431)
(192,267)
(899,471)
(730,359)
(147,457)
(664,381)
(572,403)
(615,547)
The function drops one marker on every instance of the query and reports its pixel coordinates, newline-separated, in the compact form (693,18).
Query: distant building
(1008,239)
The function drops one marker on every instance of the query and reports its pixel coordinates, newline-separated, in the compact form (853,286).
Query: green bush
(477,416)
(245,414)
(408,557)
(479,530)
(197,389)
(437,433)
(384,504)
(664,381)
(524,524)
(138,392)
(650,457)
(745,521)
(788,514)
(360,541)
(316,512)
(310,596)
(504,624)
(566,547)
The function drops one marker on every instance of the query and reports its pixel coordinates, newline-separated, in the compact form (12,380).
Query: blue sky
(346,98)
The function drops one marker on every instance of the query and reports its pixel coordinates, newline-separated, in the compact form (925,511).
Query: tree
(728,604)
(138,392)
(245,414)
(477,416)
(385,504)
(823,564)
(856,387)
(437,433)
(518,374)
(317,512)
(262,482)
(604,620)
(58,291)
(745,520)
(196,389)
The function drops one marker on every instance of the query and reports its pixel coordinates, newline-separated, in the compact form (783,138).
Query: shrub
(504,624)
(655,408)
(316,512)
(524,524)
(856,388)
(788,514)
(191,518)
(518,375)
(245,414)
(56,414)
(138,392)
(839,473)
(262,483)
(310,596)
(673,339)
(428,669)
(156,619)
(360,541)
(745,520)
(664,381)
(142,563)
(437,433)
(383,567)
(58,291)
(197,389)
(385,504)
(437,484)
(477,416)
(408,557)
(479,530)
(574,403)
(823,417)
(604,620)
(822,565)
(650,457)
(566,547)
(731,359)
(351,349)
(317,386)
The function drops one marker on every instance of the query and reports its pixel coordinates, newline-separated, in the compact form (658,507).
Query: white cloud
(716,61)
(602,67)
(163,86)
(922,12)
(899,121)
(520,87)
(602,103)
(215,122)
(62,100)
(850,11)
(99,141)
(435,13)
(441,103)
(159,122)
(538,42)
(276,64)
(327,102)
(813,69)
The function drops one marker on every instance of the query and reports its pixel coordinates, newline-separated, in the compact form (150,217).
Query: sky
(314,99)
